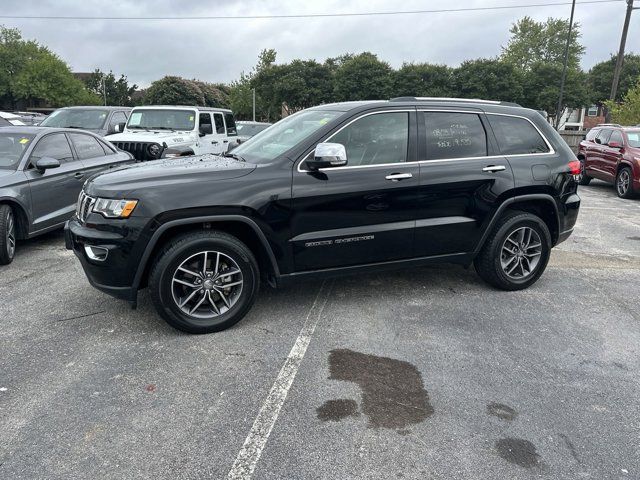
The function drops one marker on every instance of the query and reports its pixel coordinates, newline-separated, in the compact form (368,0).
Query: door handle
(494,168)
(225,141)
(79,174)
(215,142)
(394,177)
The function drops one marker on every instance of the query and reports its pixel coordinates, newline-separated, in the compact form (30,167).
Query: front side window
(517,136)
(86,146)
(616,136)
(217,117)
(205,119)
(52,146)
(90,119)
(592,134)
(375,139)
(231,124)
(12,148)
(118,118)
(454,135)
(284,135)
(159,119)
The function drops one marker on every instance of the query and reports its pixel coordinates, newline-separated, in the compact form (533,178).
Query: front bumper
(122,244)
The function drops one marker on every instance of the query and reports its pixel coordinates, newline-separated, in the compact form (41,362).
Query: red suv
(611,153)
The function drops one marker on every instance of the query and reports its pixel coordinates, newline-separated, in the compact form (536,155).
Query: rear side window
(217,118)
(231,124)
(603,136)
(517,136)
(86,146)
(454,135)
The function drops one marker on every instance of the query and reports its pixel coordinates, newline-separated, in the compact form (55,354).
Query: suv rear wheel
(624,187)
(7,235)
(516,252)
(204,282)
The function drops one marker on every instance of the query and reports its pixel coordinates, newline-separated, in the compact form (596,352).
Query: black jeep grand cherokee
(333,189)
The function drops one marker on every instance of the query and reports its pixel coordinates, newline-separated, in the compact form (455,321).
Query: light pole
(254,103)
(564,67)
(104,90)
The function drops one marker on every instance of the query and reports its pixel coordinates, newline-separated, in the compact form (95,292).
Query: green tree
(241,97)
(30,75)
(172,90)
(118,91)
(362,77)
(422,80)
(532,42)
(303,84)
(627,112)
(489,79)
(601,77)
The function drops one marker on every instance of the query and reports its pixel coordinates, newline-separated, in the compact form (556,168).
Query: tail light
(575,167)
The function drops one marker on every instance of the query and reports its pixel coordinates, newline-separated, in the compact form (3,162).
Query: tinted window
(454,135)
(12,147)
(53,146)
(205,119)
(516,135)
(86,146)
(118,118)
(603,136)
(616,136)
(231,124)
(217,117)
(375,139)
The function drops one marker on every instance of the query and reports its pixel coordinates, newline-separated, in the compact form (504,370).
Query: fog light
(98,254)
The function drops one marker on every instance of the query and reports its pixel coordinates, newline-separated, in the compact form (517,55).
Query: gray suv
(102,121)
(42,171)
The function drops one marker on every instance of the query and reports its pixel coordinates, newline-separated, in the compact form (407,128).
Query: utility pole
(104,90)
(560,108)
(620,59)
(254,104)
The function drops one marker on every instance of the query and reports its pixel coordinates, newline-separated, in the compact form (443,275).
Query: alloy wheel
(10,235)
(521,253)
(623,183)
(207,284)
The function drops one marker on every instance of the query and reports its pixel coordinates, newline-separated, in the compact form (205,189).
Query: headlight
(114,208)
(154,150)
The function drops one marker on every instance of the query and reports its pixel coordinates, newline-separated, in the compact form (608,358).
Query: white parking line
(251,450)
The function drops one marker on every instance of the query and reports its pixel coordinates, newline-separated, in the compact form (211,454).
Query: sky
(219,50)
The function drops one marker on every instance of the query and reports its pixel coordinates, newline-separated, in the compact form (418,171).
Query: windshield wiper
(234,156)
(76,126)
(164,128)
(146,129)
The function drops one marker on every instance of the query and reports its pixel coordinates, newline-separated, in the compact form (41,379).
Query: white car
(10,119)
(171,131)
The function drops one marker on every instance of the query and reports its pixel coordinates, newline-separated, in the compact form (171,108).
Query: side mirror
(45,163)
(206,129)
(615,145)
(327,155)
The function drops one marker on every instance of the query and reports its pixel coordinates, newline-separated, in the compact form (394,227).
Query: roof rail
(609,125)
(449,99)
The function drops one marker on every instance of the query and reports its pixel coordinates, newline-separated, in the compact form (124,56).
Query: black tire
(8,229)
(183,248)
(583,178)
(624,191)
(488,263)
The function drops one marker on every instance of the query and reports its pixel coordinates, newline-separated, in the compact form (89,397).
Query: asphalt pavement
(414,374)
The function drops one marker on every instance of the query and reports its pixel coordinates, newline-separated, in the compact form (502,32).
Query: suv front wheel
(204,282)
(516,252)
(624,181)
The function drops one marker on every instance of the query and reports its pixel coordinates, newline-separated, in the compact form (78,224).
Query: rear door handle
(79,174)
(394,177)
(494,168)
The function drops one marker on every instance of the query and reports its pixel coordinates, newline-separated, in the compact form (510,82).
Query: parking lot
(423,373)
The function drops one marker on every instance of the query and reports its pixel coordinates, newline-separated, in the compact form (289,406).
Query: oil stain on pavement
(393,395)
(335,410)
(519,452)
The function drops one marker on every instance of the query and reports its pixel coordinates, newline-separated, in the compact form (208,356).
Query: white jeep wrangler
(170,131)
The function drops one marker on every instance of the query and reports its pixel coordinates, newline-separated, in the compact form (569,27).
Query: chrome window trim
(551,151)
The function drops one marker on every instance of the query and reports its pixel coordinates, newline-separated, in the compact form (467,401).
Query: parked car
(41,173)
(331,190)
(611,153)
(31,118)
(102,121)
(246,130)
(174,131)
(7,118)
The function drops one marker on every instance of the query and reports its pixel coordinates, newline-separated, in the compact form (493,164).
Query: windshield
(282,136)
(12,147)
(76,118)
(250,130)
(634,138)
(155,119)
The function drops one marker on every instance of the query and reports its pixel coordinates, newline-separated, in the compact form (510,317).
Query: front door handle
(79,175)
(494,168)
(394,177)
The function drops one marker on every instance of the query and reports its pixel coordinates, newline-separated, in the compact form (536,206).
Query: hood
(166,173)
(157,136)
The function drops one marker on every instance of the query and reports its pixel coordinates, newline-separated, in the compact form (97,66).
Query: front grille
(139,150)
(84,206)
